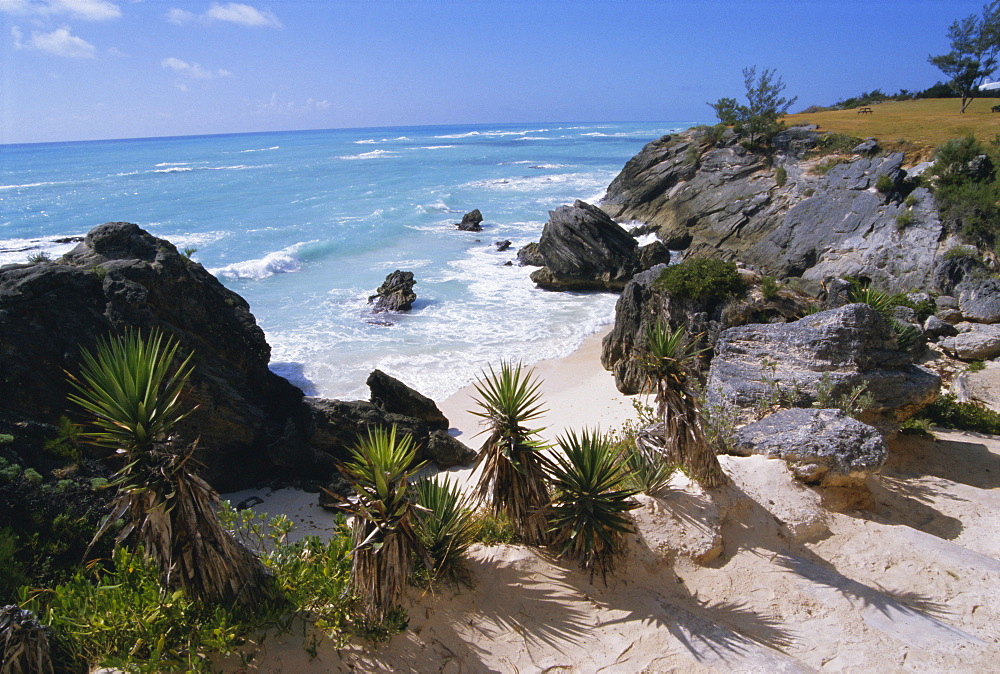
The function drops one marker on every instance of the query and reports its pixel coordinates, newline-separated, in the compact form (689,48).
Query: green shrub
(971,209)
(948,412)
(854,404)
(703,279)
(911,200)
(645,471)
(916,426)
(953,161)
(976,366)
(6,439)
(960,252)
(445,528)
(494,529)
(36,258)
(904,219)
(780,176)
(769,287)
(836,143)
(828,164)
(884,184)
(12,574)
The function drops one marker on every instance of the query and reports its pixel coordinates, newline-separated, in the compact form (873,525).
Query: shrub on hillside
(704,279)
(948,412)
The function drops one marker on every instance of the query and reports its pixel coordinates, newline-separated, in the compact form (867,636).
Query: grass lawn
(915,127)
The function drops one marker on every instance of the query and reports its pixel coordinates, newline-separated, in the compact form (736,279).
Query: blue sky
(90,69)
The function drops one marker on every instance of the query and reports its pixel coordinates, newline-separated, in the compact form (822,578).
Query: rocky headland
(250,424)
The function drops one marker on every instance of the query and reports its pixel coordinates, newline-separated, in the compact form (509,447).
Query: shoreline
(576,390)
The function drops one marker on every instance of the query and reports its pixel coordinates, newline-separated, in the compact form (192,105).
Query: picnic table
(864,110)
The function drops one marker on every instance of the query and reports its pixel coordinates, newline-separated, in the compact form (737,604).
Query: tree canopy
(975,43)
(758,119)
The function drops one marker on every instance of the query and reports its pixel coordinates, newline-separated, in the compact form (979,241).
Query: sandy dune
(906,579)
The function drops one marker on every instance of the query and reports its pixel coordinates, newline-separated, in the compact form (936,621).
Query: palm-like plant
(512,480)
(590,504)
(907,335)
(645,470)
(24,643)
(134,392)
(379,468)
(669,359)
(445,527)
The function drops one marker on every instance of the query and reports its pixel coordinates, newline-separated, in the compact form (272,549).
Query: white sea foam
(547,166)
(472,134)
(27,185)
(374,154)
(15,251)
(431,147)
(582,181)
(282,261)
(263,149)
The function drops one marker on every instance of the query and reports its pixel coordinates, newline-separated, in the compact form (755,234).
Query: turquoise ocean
(306,225)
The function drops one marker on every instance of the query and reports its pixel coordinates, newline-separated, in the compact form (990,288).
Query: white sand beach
(761,575)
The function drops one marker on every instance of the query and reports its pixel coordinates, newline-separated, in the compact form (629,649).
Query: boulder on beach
(395,294)
(584,249)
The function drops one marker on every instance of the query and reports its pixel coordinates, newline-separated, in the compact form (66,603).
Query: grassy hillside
(915,127)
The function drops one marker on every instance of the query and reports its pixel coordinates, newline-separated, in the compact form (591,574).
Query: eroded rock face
(395,293)
(249,422)
(394,397)
(727,201)
(974,341)
(584,249)
(821,446)
(849,345)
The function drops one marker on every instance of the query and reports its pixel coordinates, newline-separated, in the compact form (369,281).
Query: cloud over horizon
(87,10)
(59,42)
(233,12)
(193,70)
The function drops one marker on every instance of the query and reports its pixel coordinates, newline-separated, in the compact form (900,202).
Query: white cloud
(276,105)
(233,12)
(177,16)
(59,42)
(192,70)
(88,10)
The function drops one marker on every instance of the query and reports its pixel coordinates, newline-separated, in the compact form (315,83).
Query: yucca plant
(134,392)
(445,527)
(646,471)
(669,358)
(512,480)
(24,643)
(590,503)
(907,335)
(379,469)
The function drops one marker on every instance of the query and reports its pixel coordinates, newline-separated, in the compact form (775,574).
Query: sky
(101,69)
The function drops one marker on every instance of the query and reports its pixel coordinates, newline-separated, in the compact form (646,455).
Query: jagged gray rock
(584,249)
(821,446)
(393,396)
(850,345)
(528,255)
(395,293)
(974,341)
(726,201)
(653,254)
(935,327)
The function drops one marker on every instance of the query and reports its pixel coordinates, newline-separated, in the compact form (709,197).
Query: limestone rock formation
(974,341)
(395,293)
(850,345)
(724,200)
(471,222)
(641,305)
(528,256)
(584,249)
(821,446)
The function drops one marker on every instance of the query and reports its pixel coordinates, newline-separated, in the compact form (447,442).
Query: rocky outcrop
(821,446)
(337,426)
(251,425)
(249,422)
(848,346)
(528,256)
(820,221)
(471,222)
(974,341)
(584,249)
(642,304)
(395,293)
(394,397)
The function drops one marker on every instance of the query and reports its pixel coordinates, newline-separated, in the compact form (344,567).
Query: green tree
(975,43)
(757,121)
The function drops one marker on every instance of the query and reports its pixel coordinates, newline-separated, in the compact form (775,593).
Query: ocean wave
(263,149)
(284,261)
(370,141)
(472,134)
(431,147)
(173,169)
(186,169)
(26,185)
(547,166)
(175,163)
(374,154)
(526,183)
(536,138)
(16,251)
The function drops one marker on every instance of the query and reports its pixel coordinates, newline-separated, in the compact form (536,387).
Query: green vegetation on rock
(703,279)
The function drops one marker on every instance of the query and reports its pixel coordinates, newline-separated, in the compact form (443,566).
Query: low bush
(947,411)
(884,184)
(780,176)
(904,219)
(836,143)
(769,287)
(707,280)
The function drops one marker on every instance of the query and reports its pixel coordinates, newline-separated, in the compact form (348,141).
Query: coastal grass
(915,127)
